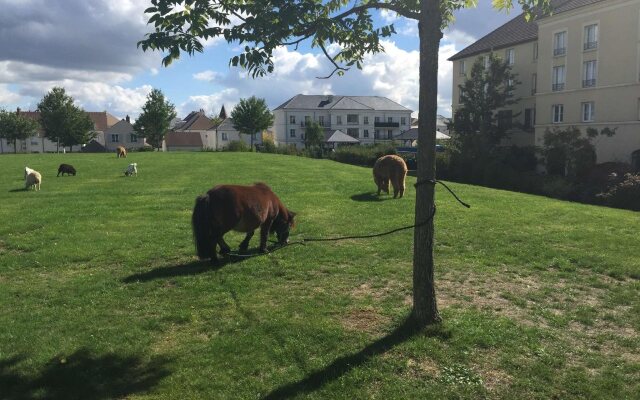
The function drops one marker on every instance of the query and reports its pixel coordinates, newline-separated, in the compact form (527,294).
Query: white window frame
(463,68)
(115,138)
(590,73)
(557,113)
(353,119)
(292,119)
(365,133)
(558,78)
(560,46)
(534,83)
(133,138)
(321,120)
(339,119)
(224,136)
(365,120)
(535,51)
(590,39)
(588,111)
(510,56)
(292,133)
(403,120)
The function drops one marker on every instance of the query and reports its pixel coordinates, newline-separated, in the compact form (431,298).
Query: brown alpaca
(121,152)
(390,168)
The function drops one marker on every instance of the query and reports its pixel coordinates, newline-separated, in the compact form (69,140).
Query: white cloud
(7,96)
(208,75)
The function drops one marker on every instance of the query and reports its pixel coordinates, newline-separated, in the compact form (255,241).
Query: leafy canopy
(155,119)
(313,135)
(14,127)
(343,30)
(62,121)
(251,116)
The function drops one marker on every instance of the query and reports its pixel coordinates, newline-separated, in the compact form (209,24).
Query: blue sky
(89,48)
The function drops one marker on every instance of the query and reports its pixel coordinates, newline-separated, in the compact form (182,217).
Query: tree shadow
(370,196)
(82,375)
(343,365)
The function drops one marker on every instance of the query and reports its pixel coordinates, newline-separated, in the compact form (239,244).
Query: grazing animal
(121,152)
(33,180)
(132,169)
(66,169)
(242,209)
(390,168)
(27,171)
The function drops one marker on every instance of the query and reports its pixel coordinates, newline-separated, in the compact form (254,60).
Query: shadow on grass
(343,365)
(82,375)
(18,190)
(192,268)
(371,196)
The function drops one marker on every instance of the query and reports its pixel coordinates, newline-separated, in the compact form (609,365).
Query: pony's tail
(201,223)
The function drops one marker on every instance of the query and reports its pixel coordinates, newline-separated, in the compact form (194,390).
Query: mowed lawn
(101,295)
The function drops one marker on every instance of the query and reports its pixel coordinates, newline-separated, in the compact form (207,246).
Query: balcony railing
(590,45)
(560,51)
(386,124)
(533,91)
(588,83)
(556,87)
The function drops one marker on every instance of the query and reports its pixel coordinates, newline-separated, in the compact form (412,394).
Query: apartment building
(368,119)
(579,67)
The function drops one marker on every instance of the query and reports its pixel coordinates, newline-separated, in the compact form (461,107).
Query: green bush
(625,194)
(362,155)
(268,146)
(237,145)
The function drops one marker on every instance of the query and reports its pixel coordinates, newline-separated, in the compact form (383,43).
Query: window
(389,119)
(460,94)
(353,132)
(292,133)
(557,113)
(463,68)
(560,44)
(366,120)
(339,119)
(588,111)
(377,119)
(403,120)
(377,134)
(591,37)
(590,72)
(133,138)
(292,119)
(389,134)
(558,78)
(225,137)
(115,138)
(485,62)
(535,51)
(353,119)
(529,118)
(321,120)
(365,133)
(307,120)
(534,83)
(510,56)
(34,142)
(505,119)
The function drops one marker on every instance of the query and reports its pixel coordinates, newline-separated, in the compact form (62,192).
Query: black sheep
(66,169)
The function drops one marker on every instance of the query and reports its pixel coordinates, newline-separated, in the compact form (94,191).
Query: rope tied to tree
(303,241)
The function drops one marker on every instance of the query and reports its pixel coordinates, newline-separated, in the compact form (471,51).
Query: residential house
(226,133)
(579,67)
(102,120)
(185,141)
(198,122)
(122,134)
(369,119)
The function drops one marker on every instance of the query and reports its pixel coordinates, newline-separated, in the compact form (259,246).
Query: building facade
(579,67)
(122,134)
(369,119)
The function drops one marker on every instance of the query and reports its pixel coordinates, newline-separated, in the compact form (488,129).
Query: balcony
(588,83)
(556,87)
(559,51)
(386,124)
(590,45)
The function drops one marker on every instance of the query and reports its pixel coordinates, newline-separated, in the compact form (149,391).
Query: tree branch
(337,67)
(397,9)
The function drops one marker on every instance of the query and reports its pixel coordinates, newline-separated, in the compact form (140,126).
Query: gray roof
(333,102)
(339,137)
(122,126)
(516,31)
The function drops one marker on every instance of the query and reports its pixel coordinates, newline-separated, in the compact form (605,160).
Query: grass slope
(102,297)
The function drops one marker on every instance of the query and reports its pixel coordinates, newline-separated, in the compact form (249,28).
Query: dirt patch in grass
(367,320)
(421,368)
(494,379)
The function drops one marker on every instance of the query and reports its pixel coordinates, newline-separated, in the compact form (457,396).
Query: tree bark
(425,307)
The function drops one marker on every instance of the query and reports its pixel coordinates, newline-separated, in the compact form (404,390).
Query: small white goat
(33,180)
(132,169)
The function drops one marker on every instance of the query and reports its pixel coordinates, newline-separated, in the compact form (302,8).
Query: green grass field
(101,295)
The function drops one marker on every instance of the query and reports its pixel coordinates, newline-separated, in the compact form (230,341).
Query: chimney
(127,119)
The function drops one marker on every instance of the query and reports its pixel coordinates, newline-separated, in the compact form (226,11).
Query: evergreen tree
(155,119)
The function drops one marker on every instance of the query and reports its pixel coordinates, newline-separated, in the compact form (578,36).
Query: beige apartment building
(578,67)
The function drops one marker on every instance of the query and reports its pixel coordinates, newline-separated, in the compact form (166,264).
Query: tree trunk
(425,307)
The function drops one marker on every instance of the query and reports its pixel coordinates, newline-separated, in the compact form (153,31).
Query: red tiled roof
(102,120)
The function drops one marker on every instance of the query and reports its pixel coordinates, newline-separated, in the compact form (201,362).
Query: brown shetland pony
(242,209)
(390,168)
(121,152)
